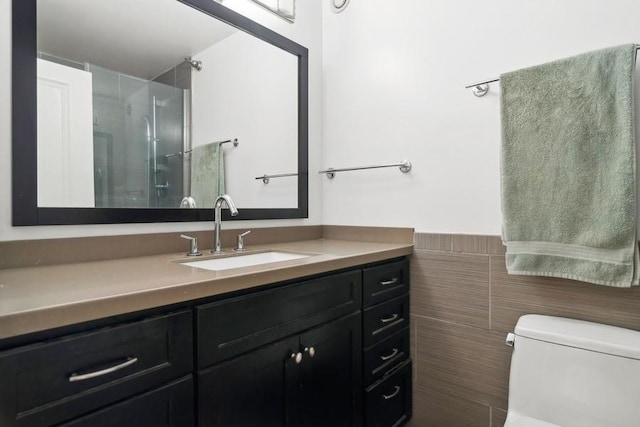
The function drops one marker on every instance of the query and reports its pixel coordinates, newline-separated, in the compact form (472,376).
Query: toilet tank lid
(580,334)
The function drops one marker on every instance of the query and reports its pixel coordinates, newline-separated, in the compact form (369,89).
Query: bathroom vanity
(325,344)
(148,340)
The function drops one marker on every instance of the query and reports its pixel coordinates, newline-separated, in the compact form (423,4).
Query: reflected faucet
(217,207)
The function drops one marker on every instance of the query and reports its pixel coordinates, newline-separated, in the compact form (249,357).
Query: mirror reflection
(160,107)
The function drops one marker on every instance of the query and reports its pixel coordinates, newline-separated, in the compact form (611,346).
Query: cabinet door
(330,383)
(249,390)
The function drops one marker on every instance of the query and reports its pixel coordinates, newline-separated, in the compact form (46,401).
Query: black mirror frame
(25,210)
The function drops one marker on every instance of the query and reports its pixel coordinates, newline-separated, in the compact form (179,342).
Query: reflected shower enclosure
(140,130)
(125,150)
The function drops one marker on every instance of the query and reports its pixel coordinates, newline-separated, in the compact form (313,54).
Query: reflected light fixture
(285,9)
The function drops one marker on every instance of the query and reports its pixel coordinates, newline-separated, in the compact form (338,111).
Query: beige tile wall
(463,303)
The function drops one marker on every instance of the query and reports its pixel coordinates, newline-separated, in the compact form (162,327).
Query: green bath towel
(568,169)
(207,174)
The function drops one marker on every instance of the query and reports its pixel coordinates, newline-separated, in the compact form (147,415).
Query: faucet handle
(193,247)
(240,245)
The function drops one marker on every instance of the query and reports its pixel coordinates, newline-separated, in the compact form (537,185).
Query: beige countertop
(34,299)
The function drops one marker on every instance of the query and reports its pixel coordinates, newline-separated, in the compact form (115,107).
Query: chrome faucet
(217,207)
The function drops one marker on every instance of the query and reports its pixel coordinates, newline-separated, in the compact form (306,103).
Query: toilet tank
(569,373)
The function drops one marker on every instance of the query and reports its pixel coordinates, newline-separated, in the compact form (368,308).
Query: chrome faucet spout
(225,198)
(217,208)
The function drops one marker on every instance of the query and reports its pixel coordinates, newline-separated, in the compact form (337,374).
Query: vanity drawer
(168,406)
(388,402)
(384,355)
(383,320)
(51,382)
(386,281)
(234,326)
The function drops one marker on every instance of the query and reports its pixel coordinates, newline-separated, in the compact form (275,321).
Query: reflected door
(65,136)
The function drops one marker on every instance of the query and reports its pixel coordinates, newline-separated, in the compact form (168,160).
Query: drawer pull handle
(310,350)
(392,395)
(389,282)
(389,319)
(391,356)
(81,377)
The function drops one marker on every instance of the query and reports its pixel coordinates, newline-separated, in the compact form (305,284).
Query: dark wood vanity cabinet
(233,326)
(311,379)
(331,350)
(287,356)
(387,364)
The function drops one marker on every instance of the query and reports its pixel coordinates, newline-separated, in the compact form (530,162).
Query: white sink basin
(239,261)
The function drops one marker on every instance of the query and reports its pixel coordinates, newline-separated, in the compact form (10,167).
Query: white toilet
(572,373)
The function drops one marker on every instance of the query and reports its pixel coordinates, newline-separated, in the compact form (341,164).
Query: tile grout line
(415,337)
(490,288)
(449,322)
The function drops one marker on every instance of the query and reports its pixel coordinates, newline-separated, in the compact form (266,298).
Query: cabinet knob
(297,357)
(310,350)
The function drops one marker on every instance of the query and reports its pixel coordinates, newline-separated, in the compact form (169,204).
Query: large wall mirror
(145,111)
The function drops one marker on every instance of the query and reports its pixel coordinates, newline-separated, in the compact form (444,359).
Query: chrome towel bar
(405,166)
(182,153)
(234,141)
(266,177)
(481,88)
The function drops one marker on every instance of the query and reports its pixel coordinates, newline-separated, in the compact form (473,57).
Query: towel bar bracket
(480,90)
(405,166)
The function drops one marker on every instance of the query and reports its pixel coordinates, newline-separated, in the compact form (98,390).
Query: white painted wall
(307,31)
(394,77)
(392,88)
